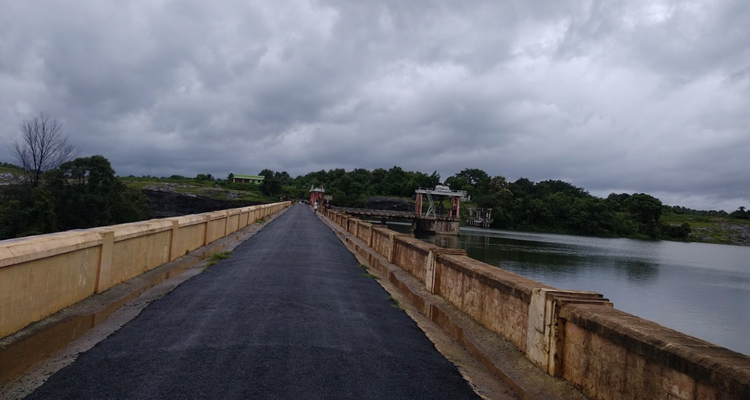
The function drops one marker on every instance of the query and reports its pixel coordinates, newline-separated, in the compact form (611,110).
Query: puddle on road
(19,358)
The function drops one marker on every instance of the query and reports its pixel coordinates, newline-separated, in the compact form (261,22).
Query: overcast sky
(612,96)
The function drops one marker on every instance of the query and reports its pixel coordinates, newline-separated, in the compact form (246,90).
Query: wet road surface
(288,316)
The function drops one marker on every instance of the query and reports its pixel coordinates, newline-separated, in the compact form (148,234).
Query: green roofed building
(247,178)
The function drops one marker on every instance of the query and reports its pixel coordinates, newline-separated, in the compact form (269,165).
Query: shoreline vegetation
(552,206)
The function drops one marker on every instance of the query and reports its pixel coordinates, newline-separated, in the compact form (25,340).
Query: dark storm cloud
(636,96)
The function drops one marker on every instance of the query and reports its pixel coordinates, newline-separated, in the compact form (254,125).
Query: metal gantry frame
(440,191)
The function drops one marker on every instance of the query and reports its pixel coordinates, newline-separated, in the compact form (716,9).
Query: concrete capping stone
(544,336)
(31,248)
(189,220)
(504,281)
(422,247)
(216,215)
(137,229)
(707,363)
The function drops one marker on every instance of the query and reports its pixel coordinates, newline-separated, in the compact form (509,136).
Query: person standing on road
(315,206)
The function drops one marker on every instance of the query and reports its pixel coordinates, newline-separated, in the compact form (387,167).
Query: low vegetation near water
(717,229)
(548,206)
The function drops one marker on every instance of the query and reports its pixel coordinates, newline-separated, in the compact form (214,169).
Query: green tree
(88,194)
(474,176)
(740,213)
(458,183)
(377,181)
(646,212)
(82,193)
(395,182)
(25,212)
(473,180)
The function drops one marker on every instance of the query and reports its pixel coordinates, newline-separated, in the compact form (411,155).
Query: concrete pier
(439,226)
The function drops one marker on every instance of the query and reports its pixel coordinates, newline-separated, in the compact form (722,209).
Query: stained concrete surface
(289,315)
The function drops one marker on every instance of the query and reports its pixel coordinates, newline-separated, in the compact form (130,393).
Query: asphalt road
(288,316)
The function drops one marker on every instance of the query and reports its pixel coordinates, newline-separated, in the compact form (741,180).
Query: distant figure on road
(315,206)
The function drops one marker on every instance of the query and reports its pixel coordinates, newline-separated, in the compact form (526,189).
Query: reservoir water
(695,288)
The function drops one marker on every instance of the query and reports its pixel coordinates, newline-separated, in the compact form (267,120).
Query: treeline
(81,193)
(85,193)
(547,206)
(349,189)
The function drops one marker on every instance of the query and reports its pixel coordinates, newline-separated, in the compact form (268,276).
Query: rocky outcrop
(172,204)
(390,204)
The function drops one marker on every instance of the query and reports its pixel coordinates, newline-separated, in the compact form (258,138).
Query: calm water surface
(699,289)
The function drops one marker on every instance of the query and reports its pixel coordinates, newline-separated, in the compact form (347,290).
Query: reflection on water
(699,289)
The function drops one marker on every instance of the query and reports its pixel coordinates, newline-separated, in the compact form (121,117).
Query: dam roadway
(289,315)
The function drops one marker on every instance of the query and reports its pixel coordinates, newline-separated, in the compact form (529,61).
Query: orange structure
(316,194)
(439,192)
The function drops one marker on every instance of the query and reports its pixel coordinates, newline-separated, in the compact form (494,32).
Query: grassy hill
(215,190)
(710,229)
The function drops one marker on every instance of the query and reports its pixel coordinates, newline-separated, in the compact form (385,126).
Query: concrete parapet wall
(641,356)
(497,299)
(381,240)
(188,234)
(411,255)
(136,248)
(364,232)
(575,335)
(40,275)
(216,227)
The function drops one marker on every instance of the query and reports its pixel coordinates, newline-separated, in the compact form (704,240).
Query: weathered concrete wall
(217,225)
(188,234)
(364,232)
(497,299)
(137,248)
(233,221)
(40,275)
(574,335)
(411,254)
(352,226)
(611,354)
(381,240)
